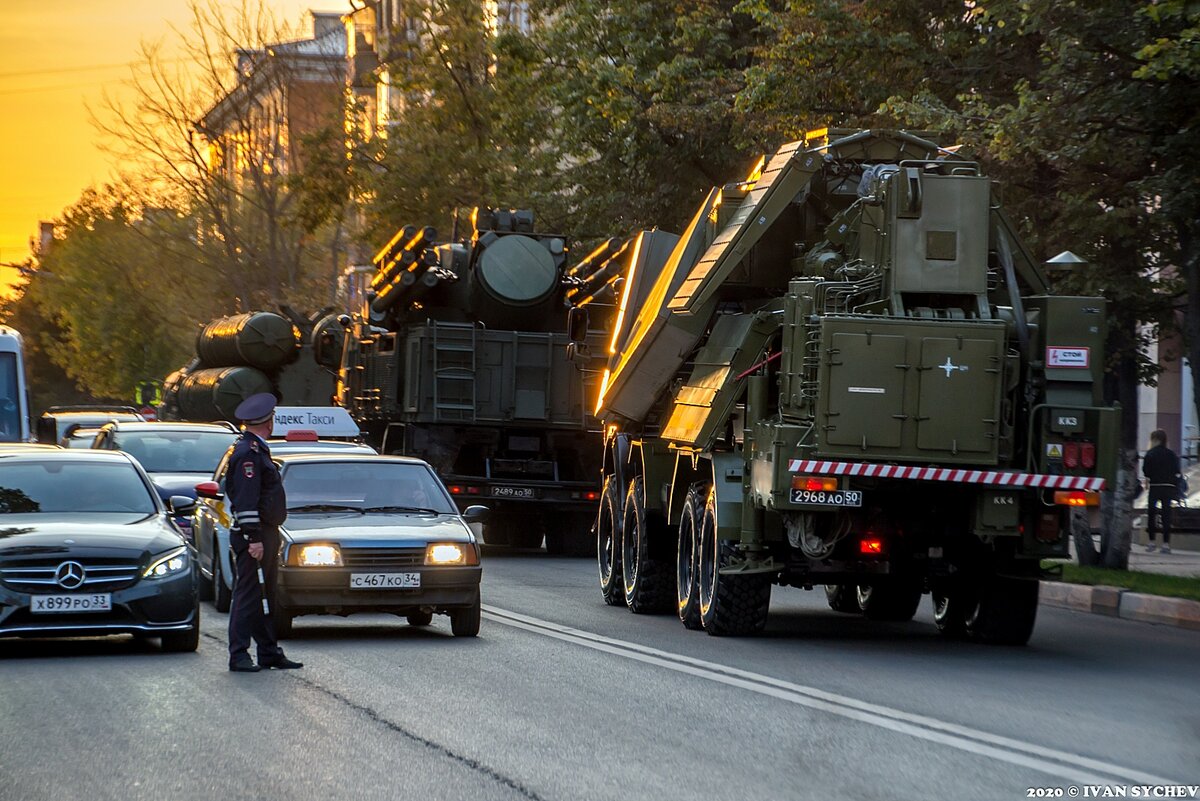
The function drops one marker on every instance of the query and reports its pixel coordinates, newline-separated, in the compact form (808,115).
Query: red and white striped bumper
(996,478)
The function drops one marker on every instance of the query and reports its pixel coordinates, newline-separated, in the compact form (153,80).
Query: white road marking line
(1073,767)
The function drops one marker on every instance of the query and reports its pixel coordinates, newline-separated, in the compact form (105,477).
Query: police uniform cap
(256,408)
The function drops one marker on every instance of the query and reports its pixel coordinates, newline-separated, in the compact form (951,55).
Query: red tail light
(870,546)
(1087,454)
(1071,455)
(591,496)
(455,489)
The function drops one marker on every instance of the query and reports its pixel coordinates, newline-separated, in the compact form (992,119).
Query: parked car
(364,533)
(88,549)
(176,456)
(53,424)
(78,436)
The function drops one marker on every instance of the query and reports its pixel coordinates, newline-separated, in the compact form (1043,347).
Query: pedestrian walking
(259,508)
(1160,466)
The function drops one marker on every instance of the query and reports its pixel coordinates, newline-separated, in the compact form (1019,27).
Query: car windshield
(10,401)
(67,486)
(182,451)
(366,484)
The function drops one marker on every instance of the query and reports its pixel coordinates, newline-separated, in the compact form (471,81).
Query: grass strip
(1133,580)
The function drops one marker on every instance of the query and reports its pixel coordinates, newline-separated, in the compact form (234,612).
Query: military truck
(457,354)
(293,355)
(850,373)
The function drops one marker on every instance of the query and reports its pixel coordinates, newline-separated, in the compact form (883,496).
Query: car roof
(345,456)
(28,446)
(139,425)
(67,455)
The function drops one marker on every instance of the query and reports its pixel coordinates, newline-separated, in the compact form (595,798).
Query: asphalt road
(562,697)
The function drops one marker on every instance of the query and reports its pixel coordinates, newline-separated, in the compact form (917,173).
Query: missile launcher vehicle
(291,355)
(850,373)
(458,355)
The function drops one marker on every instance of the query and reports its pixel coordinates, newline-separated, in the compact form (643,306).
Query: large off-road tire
(608,544)
(465,622)
(647,576)
(730,605)
(894,601)
(222,595)
(183,641)
(687,585)
(1006,611)
(843,598)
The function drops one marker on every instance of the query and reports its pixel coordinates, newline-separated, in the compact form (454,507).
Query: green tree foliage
(125,304)
(48,382)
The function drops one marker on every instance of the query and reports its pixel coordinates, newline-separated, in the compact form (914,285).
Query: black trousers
(1159,506)
(246,618)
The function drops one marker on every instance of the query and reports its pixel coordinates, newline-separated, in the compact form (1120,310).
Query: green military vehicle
(292,355)
(457,354)
(848,372)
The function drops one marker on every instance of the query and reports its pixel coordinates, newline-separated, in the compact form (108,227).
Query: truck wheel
(647,578)
(222,595)
(687,588)
(842,598)
(1006,611)
(896,602)
(608,545)
(951,607)
(730,606)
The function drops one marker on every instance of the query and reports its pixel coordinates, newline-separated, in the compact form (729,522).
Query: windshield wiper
(325,507)
(417,509)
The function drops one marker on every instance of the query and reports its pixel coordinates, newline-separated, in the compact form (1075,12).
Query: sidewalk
(1119,602)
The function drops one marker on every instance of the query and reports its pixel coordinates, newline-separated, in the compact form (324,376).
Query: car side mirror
(209,489)
(475,514)
(181,505)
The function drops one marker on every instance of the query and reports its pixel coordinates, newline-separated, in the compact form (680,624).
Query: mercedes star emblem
(69,575)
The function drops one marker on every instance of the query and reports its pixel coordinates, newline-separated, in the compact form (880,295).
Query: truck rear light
(455,489)
(591,496)
(472,490)
(1087,454)
(1071,455)
(1076,498)
(870,546)
(814,483)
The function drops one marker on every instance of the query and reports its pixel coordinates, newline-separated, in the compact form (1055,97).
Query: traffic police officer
(256,496)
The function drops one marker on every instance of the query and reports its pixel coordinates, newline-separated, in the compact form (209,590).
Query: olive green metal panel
(863,404)
(703,405)
(958,408)
(786,174)
(934,397)
(944,249)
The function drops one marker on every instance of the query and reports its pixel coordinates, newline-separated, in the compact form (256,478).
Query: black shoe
(244,666)
(280,662)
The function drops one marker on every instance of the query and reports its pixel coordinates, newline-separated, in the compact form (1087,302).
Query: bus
(14,391)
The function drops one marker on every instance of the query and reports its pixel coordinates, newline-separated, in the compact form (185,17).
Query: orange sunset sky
(56,58)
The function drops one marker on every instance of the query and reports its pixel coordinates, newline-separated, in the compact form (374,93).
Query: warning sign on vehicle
(1054,450)
(1068,357)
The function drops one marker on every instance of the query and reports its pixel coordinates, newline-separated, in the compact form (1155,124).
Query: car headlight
(319,556)
(450,553)
(170,564)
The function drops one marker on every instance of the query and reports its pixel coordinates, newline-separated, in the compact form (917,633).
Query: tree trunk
(1121,385)
(1118,533)
(1190,259)
(1081,535)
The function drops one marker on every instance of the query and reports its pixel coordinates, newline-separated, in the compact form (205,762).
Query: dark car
(53,424)
(87,548)
(176,456)
(364,533)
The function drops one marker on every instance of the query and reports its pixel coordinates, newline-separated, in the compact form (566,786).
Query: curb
(1119,602)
